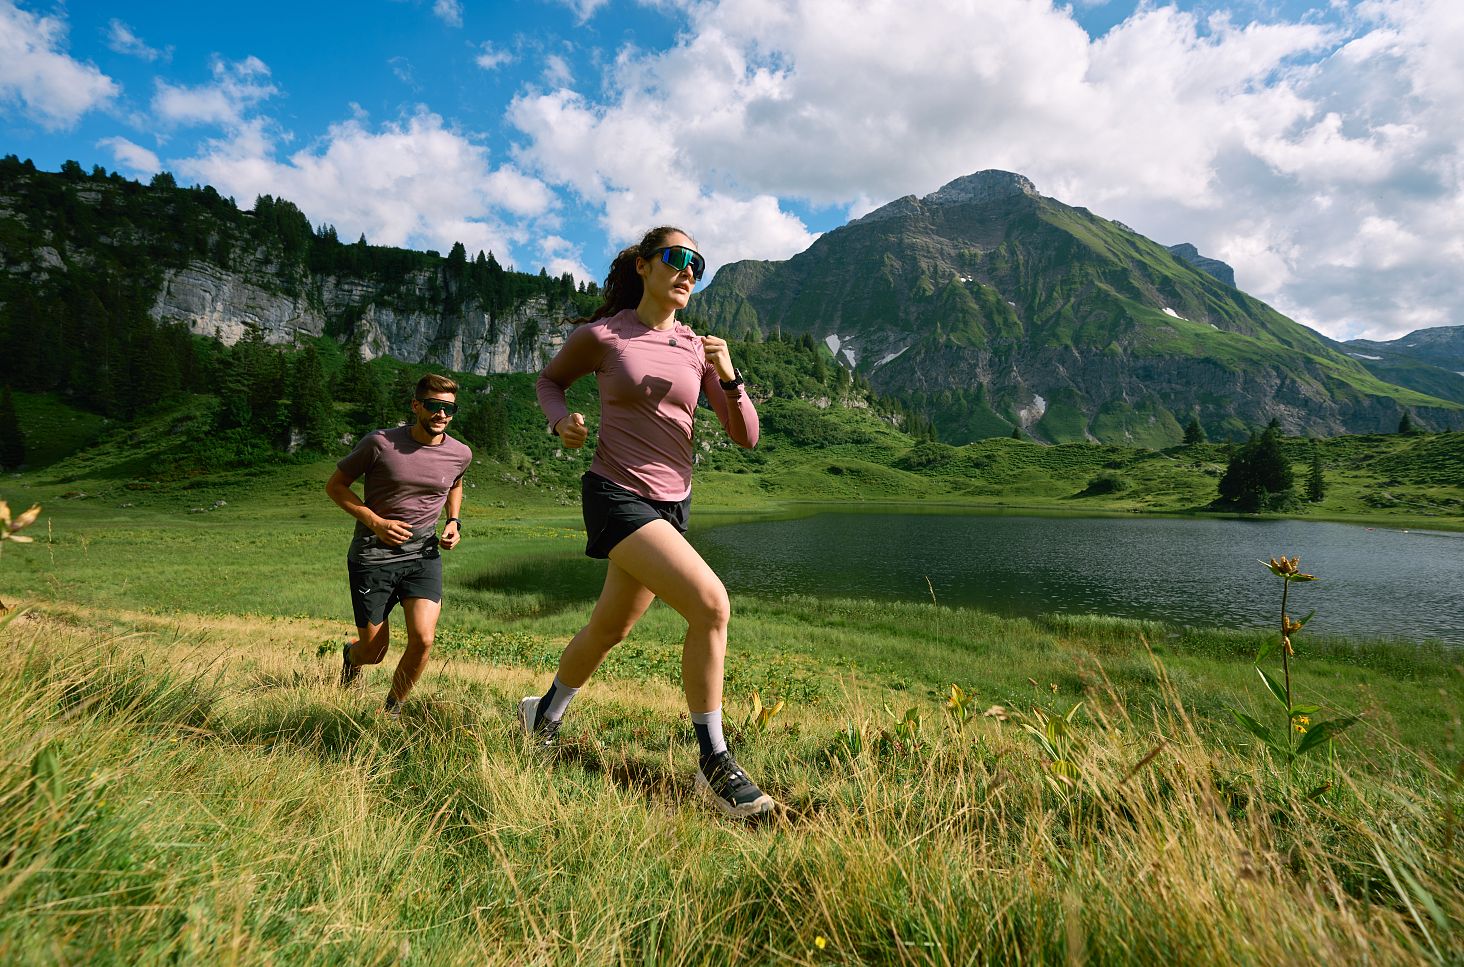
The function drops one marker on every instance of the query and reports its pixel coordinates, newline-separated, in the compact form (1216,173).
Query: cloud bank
(1322,158)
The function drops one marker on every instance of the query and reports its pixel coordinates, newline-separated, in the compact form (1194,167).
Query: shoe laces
(723,772)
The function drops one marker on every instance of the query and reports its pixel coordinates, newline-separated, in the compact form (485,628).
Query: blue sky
(1317,147)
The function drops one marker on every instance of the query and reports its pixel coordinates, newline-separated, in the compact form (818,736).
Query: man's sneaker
(349,672)
(392,709)
(545,736)
(722,779)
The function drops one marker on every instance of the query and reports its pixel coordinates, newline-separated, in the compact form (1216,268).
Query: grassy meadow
(183,782)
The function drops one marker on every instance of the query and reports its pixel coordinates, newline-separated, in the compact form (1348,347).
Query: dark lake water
(1374,582)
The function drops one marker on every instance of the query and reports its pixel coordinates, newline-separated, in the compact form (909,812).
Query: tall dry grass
(200,792)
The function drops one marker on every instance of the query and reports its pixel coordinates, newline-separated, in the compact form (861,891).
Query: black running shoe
(546,736)
(722,779)
(392,709)
(349,672)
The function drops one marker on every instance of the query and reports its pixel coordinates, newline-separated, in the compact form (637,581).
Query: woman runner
(636,496)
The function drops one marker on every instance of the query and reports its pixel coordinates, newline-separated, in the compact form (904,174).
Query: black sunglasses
(438,406)
(679,257)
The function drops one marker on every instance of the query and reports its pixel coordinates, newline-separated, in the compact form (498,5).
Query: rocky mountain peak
(1186,252)
(983,186)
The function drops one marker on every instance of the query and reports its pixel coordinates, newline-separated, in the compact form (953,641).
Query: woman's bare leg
(622,602)
(659,558)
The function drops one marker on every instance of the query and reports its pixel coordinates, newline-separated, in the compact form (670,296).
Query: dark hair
(623,285)
(432,383)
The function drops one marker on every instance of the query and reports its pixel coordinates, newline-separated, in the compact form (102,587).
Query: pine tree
(1193,432)
(12,441)
(312,412)
(1259,476)
(1316,487)
(1405,425)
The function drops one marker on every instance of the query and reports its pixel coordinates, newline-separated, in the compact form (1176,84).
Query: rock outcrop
(403,322)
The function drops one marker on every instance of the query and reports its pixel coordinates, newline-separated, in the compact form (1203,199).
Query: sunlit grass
(197,790)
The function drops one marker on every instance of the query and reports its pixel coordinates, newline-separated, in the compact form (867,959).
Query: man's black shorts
(613,513)
(376,589)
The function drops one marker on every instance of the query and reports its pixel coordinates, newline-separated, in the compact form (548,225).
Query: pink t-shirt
(649,382)
(406,481)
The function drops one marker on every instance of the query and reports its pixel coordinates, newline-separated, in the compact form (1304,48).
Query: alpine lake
(1373,582)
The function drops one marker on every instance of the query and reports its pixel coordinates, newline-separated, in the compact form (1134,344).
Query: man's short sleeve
(355,464)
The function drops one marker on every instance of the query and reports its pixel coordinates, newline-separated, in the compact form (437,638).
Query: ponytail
(623,286)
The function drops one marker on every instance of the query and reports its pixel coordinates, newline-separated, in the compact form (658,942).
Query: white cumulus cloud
(414,183)
(491,57)
(132,158)
(449,12)
(237,87)
(38,76)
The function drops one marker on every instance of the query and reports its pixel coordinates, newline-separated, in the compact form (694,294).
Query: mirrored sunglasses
(679,257)
(438,406)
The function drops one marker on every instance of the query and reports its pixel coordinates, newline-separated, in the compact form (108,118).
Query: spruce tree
(1259,476)
(312,412)
(1405,425)
(1193,432)
(12,441)
(1316,487)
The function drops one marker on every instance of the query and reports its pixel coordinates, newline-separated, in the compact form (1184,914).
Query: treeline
(285,399)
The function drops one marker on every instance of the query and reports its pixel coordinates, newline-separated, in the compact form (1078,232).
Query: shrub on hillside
(1106,482)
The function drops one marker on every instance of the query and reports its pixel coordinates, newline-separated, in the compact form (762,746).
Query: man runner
(411,473)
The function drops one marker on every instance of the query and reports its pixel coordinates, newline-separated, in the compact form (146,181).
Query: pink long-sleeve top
(649,382)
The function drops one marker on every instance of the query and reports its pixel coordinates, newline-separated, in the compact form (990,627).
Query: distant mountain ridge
(994,307)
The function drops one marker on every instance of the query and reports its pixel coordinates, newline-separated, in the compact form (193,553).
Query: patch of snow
(849,355)
(965,278)
(889,357)
(832,341)
(1410,345)
(1011,303)
(1214,327)
(1460,371)
(1364,356)
(1170,312)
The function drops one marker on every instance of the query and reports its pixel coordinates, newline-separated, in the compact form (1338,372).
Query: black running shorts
(613,513)
(376,589)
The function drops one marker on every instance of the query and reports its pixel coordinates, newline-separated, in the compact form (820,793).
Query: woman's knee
(712,608)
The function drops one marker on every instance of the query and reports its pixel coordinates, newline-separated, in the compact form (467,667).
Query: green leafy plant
(849,742)
(1301,735)
(904,737)
(958,706)
(761,716)
(1060,745)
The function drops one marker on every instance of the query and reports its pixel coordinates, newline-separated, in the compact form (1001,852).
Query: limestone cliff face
(406,322)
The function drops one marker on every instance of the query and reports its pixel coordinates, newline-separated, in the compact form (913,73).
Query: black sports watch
(734,382)
(455,520)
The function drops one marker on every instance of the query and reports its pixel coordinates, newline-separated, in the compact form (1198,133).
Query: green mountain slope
(991,307)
